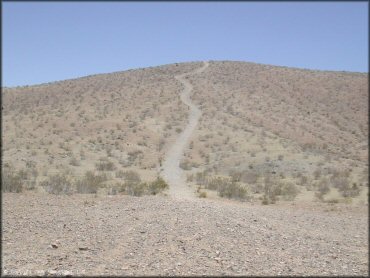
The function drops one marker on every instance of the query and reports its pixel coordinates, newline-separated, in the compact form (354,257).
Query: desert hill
(257,170)
(300,125)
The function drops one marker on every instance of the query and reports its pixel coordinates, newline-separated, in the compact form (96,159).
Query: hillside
(300,125)
(257,170)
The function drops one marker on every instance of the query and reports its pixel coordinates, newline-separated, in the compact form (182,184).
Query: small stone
(83,248)
(54,245)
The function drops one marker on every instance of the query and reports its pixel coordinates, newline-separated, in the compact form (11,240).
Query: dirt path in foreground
(172,173)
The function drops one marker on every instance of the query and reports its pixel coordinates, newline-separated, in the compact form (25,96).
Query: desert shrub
(269,193)
(317,174)
(303,180)
(11,181)
(74,162)
(341,182)
(200,178)
(136,189)
(235,176)
(249,177)
(273,189)
(202,194)
(332,201)
(349,191)
(133,185)
(57,184)
(157,186)
(134,155)
(131,177)
(289,191)
(232,190)
(105,166)
(322,189)
(90,183)
(215,183)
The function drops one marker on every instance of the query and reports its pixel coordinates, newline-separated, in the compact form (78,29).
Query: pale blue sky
(45,42)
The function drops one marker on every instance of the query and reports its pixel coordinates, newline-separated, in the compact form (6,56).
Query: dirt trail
(172,172)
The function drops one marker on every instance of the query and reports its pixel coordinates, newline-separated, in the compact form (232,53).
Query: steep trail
(172,173)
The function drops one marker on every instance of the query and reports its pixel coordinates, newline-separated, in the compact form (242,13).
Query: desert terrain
(200,168)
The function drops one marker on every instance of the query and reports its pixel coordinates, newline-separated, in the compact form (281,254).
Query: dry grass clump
(90,183)
(105,165)
(17,181)
(12,181)
(58,184)
(226,187)
(274,189)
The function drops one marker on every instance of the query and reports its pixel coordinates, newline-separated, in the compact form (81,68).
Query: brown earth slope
(256,119)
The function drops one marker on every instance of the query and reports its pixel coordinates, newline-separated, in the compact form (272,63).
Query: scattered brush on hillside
(89,183)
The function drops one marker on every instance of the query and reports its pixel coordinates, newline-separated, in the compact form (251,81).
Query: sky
(45,42)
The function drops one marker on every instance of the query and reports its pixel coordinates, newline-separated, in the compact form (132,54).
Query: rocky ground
(122,235)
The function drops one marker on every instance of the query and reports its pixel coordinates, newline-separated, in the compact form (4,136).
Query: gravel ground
(121,235)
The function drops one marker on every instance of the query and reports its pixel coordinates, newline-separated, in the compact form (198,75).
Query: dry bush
(157,186)
(232,190)
(322,189)
(202,194)
(249,177)
(201,178)
(74,162)
(105,166)
(342,183)
(136,189)
(273,189)
(11,181)
(58,184)
(90,183)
